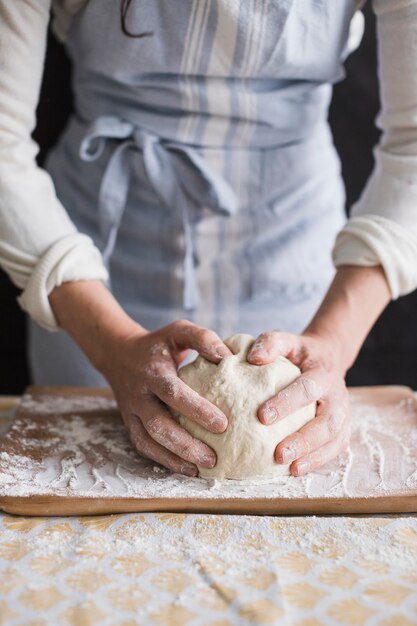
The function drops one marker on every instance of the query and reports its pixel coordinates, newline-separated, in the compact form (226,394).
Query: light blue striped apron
(200,161)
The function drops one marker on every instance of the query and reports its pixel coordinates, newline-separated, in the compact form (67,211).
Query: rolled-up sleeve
(40,248)
(382,229)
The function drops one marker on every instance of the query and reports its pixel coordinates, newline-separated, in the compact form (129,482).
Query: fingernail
(222,351)
(219,423)
(255,353)
(208,460)
(287,455)
(269,415)
(257,345)
(303,467)
(189,470)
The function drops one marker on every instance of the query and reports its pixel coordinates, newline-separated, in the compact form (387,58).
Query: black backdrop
(390,352)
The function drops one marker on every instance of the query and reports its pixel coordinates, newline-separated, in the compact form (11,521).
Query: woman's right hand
(142,371)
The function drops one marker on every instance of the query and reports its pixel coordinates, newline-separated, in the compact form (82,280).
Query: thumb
(268,346)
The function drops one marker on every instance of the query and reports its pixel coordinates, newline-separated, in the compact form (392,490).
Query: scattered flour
(79,447)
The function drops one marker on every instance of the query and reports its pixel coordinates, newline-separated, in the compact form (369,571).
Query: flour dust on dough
(245,451)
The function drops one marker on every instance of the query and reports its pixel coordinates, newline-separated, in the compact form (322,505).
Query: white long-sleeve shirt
(40,247)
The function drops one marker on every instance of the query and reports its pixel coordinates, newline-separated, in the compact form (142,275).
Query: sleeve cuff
(372,240)
(74,257)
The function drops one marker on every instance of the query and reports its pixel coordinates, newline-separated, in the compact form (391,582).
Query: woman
(200,163)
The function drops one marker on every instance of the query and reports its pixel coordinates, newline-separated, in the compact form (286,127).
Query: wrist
(94,319)
(354,301)
(333,342)
(114,350)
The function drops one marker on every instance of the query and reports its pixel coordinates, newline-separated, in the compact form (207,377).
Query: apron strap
(176,172)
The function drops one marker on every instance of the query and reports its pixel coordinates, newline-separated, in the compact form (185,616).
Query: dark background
(390,352)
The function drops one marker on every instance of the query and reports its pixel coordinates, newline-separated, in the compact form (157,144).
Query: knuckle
(186,450)
(179,325)
(266,336)
(310,389)
(160,349)
(261,340)
(155,426)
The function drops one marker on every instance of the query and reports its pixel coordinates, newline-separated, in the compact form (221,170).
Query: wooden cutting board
(67,453)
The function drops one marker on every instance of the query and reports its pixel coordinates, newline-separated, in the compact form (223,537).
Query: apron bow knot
(176,172)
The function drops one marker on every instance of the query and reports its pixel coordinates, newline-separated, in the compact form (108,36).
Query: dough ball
(246,449)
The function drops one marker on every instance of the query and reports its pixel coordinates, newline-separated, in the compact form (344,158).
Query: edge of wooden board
(62,506)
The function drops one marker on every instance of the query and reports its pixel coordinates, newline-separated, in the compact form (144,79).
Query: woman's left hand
(321,381)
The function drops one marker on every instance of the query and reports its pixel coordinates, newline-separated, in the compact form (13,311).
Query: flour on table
(65,451)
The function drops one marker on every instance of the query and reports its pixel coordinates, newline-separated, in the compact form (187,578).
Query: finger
(325,427)
(322,455)
(149,448)
(162,428)
(204,341)
(306,389)
(268,346)
(176,394)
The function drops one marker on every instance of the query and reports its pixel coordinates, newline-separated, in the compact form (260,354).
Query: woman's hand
(323,352)
(141,367)
(321,381)
(142,372)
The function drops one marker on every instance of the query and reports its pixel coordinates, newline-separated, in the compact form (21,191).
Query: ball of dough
(246,449)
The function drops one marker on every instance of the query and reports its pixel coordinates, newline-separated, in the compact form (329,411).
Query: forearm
(93,318)
(354,301)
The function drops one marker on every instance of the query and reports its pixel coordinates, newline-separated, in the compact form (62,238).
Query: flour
(50,405)
(78,447)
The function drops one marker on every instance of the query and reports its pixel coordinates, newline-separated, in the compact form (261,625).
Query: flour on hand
(246,449)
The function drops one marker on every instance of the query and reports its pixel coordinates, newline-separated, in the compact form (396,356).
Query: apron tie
(176,172)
